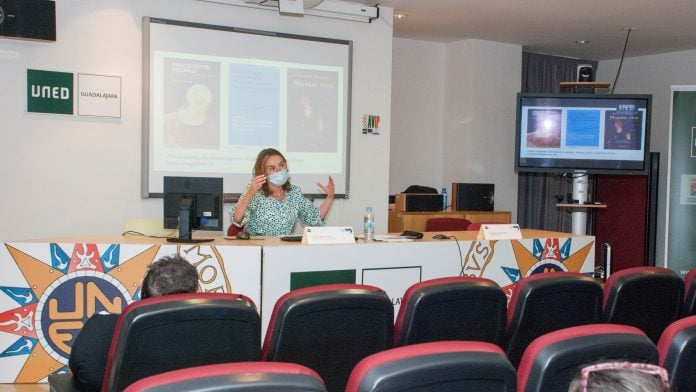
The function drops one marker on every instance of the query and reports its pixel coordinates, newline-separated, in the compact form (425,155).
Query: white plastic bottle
(369,225)
(444,199)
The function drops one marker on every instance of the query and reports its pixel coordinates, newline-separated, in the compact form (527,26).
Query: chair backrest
(689,308)
(547,302)
(160,334)
(649,298)
(551,361)
(456,308)
(677,349)
(234,377)
(233,230)
(435,366)
(330,328)
(446,224)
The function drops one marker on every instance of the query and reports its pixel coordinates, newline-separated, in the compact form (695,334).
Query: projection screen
(214,96)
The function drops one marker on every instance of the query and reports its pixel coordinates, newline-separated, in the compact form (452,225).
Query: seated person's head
(621,377)
(169,275)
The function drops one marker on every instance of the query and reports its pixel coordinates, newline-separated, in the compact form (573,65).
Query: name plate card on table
(328,235)
(499,232)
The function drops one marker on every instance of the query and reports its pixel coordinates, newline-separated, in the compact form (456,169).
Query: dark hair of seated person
(88,356)
(169,275)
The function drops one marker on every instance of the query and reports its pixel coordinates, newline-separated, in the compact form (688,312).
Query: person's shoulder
(295,189)
(106,320)
(90,350)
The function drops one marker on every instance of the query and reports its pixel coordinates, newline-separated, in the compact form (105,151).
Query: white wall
(417,113)
(453,110)
(65,175)
(654,75)
(482,79)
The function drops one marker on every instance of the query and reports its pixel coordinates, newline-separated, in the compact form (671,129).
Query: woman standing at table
(270,205)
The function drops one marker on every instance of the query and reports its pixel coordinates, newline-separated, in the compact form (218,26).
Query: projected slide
(583,133)
(217,96)
(254,105)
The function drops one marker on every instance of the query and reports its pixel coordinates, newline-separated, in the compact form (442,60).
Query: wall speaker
(472,197)
(585,73)
(28,19)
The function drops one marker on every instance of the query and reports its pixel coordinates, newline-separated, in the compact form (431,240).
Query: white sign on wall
(98,95)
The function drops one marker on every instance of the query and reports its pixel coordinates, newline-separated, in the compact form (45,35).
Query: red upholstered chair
(436,366)
(547,302)
(551,361)
(234,377)
(456,308)
(690,293)
(159,334)
(330,328)
(649,298)
(446,224)
(677,349)
(233,230)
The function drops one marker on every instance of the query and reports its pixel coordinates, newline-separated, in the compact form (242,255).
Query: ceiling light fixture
(400,15)
(582,41)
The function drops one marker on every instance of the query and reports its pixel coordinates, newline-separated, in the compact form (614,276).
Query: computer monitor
(472,197)
(192,203)
(592,133)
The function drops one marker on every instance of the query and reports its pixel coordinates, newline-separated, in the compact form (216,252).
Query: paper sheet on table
(392,238)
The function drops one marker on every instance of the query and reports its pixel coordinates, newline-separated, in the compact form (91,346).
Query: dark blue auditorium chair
(160,334)
(234,377)
(551,361)
(649,298)
(330,328)
(547,302)
(456,308)
(677,349)
(435,367)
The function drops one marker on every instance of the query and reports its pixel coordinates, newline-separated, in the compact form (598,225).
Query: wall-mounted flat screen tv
(597,133)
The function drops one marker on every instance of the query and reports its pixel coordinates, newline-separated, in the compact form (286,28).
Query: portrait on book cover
(621,131)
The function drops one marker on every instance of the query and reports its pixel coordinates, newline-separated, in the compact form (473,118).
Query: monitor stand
(579,215)
(186,218)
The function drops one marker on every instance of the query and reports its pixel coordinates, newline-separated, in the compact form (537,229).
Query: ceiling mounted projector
(336,9)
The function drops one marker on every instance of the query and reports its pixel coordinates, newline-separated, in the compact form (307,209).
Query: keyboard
(291,238)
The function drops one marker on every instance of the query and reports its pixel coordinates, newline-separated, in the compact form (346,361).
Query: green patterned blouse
(266,215)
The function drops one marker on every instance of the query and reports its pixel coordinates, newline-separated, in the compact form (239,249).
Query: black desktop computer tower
(472,197)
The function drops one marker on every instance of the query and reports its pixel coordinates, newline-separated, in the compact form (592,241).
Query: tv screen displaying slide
(596,133)
(215,96)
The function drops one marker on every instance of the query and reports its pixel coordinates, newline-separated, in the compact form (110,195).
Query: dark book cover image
(622,130)
(312,110)
(544,128)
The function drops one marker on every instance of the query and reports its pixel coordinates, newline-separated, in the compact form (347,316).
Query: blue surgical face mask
(279,178)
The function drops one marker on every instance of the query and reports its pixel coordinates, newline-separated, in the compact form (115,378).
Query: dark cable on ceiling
(623,53)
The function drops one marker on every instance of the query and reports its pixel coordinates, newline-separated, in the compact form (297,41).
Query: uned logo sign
(68,307)
(49,92)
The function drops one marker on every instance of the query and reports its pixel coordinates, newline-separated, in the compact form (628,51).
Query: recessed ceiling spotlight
(400,15)
(582,41)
